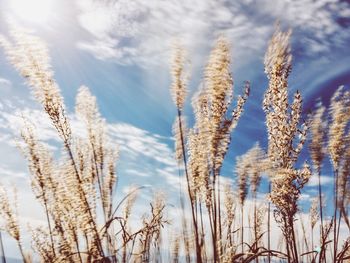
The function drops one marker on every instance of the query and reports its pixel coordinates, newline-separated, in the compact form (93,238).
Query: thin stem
(214,217)
(3,257)
(335,241)
(219,216)
(312,239)
(202,229)
(294,244)
(287,242)
(211,223)
(87,247)
(321,209)
(50,229)
(21,251)
(184,224)
(77,246)
(198,249)
(268,227)
(83,196)
(255,229)
(304,234)
(242,236)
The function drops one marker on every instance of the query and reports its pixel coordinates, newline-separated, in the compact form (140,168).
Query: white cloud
(140,142)
(102,18)
(5,87)
(324,180)
(137,173)
(141,31)
(12,122)
(141,152)
(5,172)
(5,82)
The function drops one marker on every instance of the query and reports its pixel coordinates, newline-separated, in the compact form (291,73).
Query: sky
(121,50)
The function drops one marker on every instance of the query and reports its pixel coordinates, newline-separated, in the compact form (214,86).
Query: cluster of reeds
(78,190)
(204,146)
(76,187)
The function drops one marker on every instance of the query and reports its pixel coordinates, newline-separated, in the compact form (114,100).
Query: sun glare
(36,11)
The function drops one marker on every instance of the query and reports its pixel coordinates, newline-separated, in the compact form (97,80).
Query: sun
(35,11)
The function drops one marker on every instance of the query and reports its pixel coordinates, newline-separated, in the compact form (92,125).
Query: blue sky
(121,51)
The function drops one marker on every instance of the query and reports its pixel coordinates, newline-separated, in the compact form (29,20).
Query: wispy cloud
(141,31)
(137,173)
(325,180)
(5,82)
(143,155)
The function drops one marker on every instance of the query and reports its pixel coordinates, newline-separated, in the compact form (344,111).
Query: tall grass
(83,224)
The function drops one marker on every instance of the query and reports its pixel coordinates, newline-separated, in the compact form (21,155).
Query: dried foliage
(318,128)
(77,189)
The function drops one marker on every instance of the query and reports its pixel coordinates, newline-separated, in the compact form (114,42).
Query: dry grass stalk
(179,93)
(9,215)
(339,112)
(178,88)
(124,222)
(317,149)
(284,146)
(230,211)
(318,133)
(314,217)
(250,166)
(175,249)
(177,134)
(242,169)
(214,124)
(150,235)
(30,57)
(344,183)
(260,217)
(314,213)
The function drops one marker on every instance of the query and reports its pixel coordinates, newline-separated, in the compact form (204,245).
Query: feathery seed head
(286,188)
(250,166)
(178,87)
(29,55)
(86,106)
(318,124)
(314,214)
(132,195)
(179,138)
(9,214)
(257,159)
(278,58)
(218,81)
(229,203)
(242,171)
(286,135)
(340,115)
